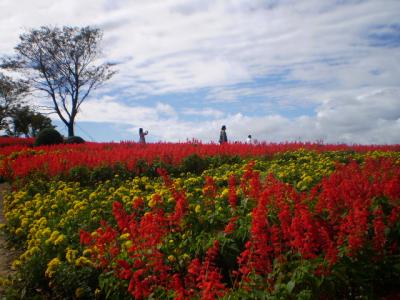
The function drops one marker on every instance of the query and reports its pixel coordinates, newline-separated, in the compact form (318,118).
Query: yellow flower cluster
(83,262)
(52,267)
(5,282)
(70,256)
(50,221)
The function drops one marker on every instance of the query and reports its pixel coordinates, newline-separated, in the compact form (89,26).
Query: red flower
(232,197)
(85,237)
(379,231)
(230,227)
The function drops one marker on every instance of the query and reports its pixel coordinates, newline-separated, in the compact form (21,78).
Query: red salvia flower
(379,231)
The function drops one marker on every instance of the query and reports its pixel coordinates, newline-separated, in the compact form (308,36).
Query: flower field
(194,221)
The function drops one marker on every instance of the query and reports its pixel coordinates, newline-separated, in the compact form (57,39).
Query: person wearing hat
(222,136)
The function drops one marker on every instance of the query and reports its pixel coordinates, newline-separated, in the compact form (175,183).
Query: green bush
(48,136)
(101,173)
(75,140)
(194,164)
(79,174)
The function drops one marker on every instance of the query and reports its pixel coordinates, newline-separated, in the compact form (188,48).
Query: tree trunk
(71,129)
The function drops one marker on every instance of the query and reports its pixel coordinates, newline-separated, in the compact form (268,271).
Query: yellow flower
(185,256)
(79,292)
(52,267)
(71,255)
(5,282)
(24,256)
(19,231)
(83,261)
(152,203)
(46,232)
(197,208)
(34,250)
(97,293)
(87,252)
(59,240)
(171,258)
(127,244)
(16,264)
(42,221)
(24,222)
(92,196)
(54,235)
(124,236)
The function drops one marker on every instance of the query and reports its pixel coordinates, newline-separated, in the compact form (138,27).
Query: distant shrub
(101,173)
(75,140)
(194,164)
(80,174)
(48,136)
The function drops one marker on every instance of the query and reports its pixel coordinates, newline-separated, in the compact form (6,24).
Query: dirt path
(7,255)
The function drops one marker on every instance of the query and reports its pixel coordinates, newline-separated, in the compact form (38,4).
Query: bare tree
(64,64)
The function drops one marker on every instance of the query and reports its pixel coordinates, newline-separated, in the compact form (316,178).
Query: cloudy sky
(280,70)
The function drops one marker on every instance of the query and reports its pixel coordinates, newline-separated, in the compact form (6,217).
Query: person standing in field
(248,140)
(142,135)
(222,136)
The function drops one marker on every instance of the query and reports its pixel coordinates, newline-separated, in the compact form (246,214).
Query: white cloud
(369,119)
(206,112)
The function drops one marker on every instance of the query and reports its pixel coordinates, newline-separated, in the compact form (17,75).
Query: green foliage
(30,280)
(11,93)
(79,174)
(112,288)
(194,164)
(101,173)
(48,136)
(27,122)
(219,160)
(81,281)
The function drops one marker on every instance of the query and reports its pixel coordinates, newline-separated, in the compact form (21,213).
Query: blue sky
(279,70)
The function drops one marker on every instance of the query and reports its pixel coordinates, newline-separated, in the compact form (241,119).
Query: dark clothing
(142,140)
(222,137)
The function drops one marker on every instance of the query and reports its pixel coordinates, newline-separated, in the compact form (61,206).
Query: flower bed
(19,162)
(301,224)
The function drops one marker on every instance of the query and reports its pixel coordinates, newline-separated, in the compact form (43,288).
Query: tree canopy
(64,63)
(11,96)
(27,122)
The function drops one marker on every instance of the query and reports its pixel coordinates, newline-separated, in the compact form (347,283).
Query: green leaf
(290,286)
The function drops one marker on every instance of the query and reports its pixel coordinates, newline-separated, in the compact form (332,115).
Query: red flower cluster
(203,278)
(14,141)
(59,159)
(207,276)
(340,213)
(355,210)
